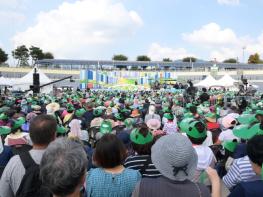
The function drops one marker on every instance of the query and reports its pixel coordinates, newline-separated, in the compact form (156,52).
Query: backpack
(31,185)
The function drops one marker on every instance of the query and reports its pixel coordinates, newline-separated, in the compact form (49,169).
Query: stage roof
(157,64)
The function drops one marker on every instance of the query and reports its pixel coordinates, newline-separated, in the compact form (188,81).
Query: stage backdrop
(108,78)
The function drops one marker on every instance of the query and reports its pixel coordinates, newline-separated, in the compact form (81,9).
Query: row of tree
(121,57)
(22,54)
(253,59)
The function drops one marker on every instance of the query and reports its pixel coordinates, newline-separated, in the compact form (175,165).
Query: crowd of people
(131,143)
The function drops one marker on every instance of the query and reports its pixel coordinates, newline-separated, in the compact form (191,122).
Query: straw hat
(52,108)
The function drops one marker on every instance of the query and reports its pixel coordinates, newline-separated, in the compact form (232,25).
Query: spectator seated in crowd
(111,178)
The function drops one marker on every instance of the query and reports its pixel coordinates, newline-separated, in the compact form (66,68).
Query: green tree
(189,59)
(21,53)
(3,56)
(254,59)
(120,57)
(231,60)
(167,60)
(36,54)
(48,55)
(144,58)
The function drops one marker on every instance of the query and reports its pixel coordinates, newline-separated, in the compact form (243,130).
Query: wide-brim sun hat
(5,130)
(246,118)
(153,124)
(174,153)
(18,123)
(228,121)
(247,131)
(52,108)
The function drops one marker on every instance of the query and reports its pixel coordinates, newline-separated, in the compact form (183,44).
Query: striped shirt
(240,171)
(138,161)
(170,128)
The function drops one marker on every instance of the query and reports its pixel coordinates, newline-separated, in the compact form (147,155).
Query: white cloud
(222,43)
(158,52)
(79,29)
(228,2)
(211,34)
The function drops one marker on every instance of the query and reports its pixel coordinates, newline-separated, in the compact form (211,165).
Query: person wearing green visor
(17,137)
(255,154)
(129,125)
(3,119)
(5,151)
(118,119)
(142,141)
(197,134)
(170,126)
(105,127)
(96,122)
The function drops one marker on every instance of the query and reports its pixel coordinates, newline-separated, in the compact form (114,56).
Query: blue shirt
(5,156)
(248,189)
(100,183)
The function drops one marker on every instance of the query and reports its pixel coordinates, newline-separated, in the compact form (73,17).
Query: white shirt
(209,140)
(205,155)
(227,135)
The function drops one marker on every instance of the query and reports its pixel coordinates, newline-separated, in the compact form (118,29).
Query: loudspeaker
(36,81)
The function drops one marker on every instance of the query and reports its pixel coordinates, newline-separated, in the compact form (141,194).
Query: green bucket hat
(137,138)
(166,110)
(247,111)
(169,116)
(188,115)
(105,127)
(129,123)
(259,112)
(18,123)
(4,130)
(61,129)
(3,116)
(247,131)
(230,146)
(246,119)
(188,105)
(184,124)
(193,131)
(97,112)
(118,116)
(80,112)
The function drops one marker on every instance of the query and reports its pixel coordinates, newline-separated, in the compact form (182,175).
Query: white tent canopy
(226,81)
(5,82)
(207,82)
(24,82)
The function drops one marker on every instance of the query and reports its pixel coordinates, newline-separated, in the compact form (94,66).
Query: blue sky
(97,29)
